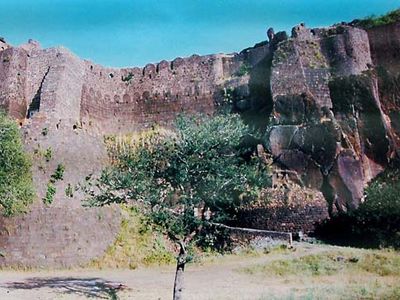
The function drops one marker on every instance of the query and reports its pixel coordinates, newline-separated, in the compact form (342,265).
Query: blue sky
(134,32)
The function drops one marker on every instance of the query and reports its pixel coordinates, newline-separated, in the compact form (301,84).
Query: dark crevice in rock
(329,194)
(34,106)
(260,95)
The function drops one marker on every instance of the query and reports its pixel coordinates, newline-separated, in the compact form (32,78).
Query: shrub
(127,78)
(50,193)
(243,70)
(58,173)
(48,154)
(16,188)
(45,131)
(69,191)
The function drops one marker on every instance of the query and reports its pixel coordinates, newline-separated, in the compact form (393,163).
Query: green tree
(187,179)
(16,189)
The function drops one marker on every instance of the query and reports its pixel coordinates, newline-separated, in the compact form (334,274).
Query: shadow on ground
(88,287)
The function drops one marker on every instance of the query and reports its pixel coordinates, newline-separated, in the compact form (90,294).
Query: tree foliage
(179,176)
(16,189)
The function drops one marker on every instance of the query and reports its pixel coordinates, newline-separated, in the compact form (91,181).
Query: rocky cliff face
(335,108)
(327,100)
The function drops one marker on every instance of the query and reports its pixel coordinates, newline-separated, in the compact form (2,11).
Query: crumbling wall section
(286,210)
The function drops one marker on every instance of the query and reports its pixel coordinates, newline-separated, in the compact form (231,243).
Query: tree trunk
(180,268)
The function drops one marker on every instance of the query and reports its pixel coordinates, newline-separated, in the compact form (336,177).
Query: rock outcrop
(334,114)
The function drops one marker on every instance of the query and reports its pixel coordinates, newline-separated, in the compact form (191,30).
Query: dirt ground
(216,278)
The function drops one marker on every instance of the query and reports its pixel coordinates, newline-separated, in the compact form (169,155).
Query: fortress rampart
(326,98)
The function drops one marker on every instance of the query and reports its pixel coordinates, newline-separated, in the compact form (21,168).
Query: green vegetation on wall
(243,70)
(58,173)
(16,188)
(136,244)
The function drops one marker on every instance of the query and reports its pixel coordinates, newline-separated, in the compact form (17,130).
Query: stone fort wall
(77,102)
(66,105)
(68,90)
(129,99)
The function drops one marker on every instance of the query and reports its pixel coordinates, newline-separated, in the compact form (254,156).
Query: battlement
(115,100)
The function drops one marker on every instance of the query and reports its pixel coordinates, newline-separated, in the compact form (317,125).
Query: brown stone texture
(385,50)
(288,208)
(131,99)
(57,237)
(385,46)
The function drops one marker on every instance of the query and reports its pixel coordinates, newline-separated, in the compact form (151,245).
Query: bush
(69,191)
(179,176)
(58,173)
(50,193)
(48,154)
(16,188)
(376,223)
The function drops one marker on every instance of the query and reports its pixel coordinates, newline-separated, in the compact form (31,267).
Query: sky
(121,33)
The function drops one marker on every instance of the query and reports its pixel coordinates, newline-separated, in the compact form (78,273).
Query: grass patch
(381,263)
(136,244)
(243,70)
(337,291)
(344,273)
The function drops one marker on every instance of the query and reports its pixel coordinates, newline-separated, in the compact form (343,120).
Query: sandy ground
(210,281)
(215,279)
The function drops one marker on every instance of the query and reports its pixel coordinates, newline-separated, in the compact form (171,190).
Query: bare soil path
(217,278)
